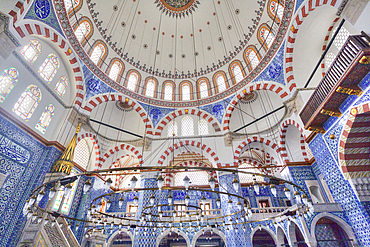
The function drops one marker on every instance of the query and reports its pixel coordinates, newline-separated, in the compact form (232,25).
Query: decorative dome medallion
(177,8)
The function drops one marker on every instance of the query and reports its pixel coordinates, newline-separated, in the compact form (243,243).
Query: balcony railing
(340,81)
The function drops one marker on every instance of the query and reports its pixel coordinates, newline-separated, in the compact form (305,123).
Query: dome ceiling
(176,38)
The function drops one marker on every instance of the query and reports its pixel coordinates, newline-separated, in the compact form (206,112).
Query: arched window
(203,127)
(132,81)
(185,91)
(196,178)
(341,37)
(31,51)
(27,103)
(187,126)
(45,119)
(61,86)
(221,82)
(83,31)
(71,5)
(168,91)
(275,11)
(83,155)
(265,36)
(172,129)
(251,57)
(8,79)
(150,87)
(98,53)
(236,72)
(115,70)
(49,68)
(203,88)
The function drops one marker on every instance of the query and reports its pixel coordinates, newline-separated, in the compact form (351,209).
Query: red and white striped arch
(259,163)
(207,151)
(33,29)
(169,175)
(95,101)
(271,86)
(196,112)
(302,13)
(122,147)
(19,9)
(326,40)
(94,140)
(354,144)
(283,131)
(117,164)
(244,145)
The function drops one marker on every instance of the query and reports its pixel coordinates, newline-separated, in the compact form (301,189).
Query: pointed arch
(275,11)
(271,86)
(61,86)
(98,52)
(236,71)
(44,121)
(31,51)
(196,112)
(220,81)
(165,233)
(268,230)
(121,147)
(72,6)
(207,151)
(27,103)
(168,90)
(49,68)
(99,99)
(215,230)
(96,147)
(283,142)
(252,57)
(83,30)
(115,70)
(186,91)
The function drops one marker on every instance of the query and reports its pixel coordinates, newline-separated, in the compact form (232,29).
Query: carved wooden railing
(340,81)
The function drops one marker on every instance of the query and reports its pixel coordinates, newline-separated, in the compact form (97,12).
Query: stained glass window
(49,68)
(252,57)
(45,119)
(82,30)
(8,79)
(70,4)
(97,53)
(203,89)
(266,36)
(341,37)
(132,81)
(27,103)
(203,127)
(187,126)
(172,128)
(277,10)
(185,91)
(61,86)
(150,87)
(221,83)
(168,90)
(115,70)
(31,51)
(237,72)
(68,199)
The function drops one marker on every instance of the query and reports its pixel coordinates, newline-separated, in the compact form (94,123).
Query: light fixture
(212,183)
(152,199)
(160,182)
(170,199)
(135,200)
(40,196)
(256,187)
(87,186)
(235,184)
(186,182)
(273,190)
(287,193)
(218,202)
(297,197)
(108,183)
(133,182)
(120,202)
(67,189)
(187,199)
(52,192)
(109,203)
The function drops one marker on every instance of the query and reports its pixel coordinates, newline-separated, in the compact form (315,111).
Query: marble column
(235,236)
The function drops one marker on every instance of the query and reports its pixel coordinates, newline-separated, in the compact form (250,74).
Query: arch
(252,57)
(256,139)
(98,52)
(165,233)
(220,78)
(31,51)
(196,112)
(42,30)
(27,102)
(271,86)
(168,94)
(207,151)
(121,147)
(265,36)
(8,80)
(132,80)
(326,40)
(45,119)
(117,232)
(237,75)
(49,67)
(61,85)
(292,231)
(95,142)
(74,8)
(259,161)
(268,230)
(303,12)
(183,91)
(215,230)
(83,30)
(283,142)
(150,87)
(281,237)
(275,10)
(345,227)
(116,163)
(201,91)
(99,99)
(115,69)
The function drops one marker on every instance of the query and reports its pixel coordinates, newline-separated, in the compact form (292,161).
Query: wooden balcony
(341,80)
